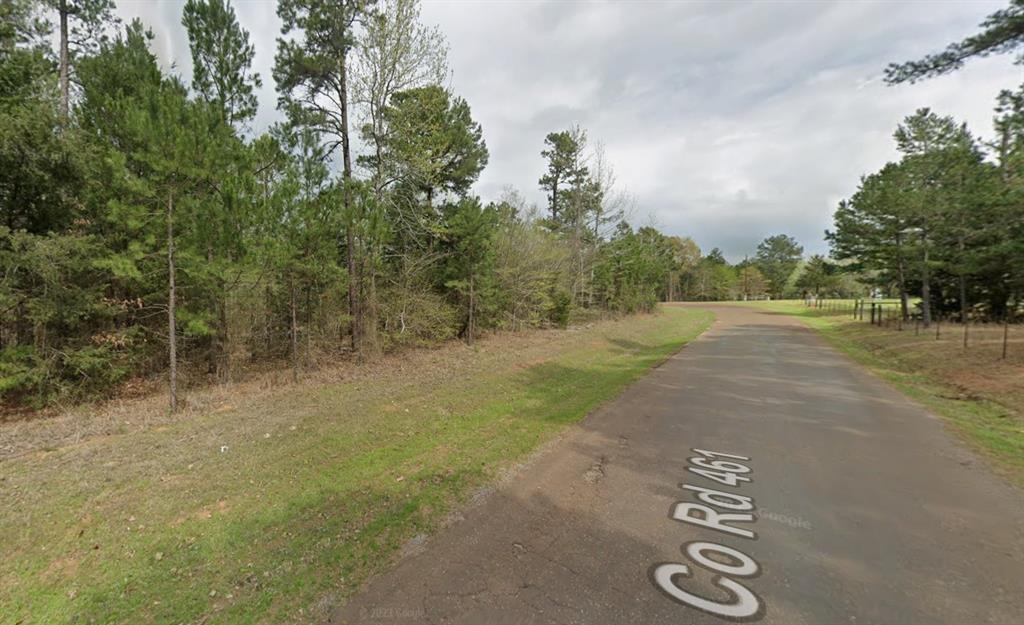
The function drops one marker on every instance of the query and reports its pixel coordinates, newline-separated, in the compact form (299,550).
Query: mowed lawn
(275,511)
(978,393)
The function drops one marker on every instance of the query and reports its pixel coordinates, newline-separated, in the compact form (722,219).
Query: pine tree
(221,59)
(312,75)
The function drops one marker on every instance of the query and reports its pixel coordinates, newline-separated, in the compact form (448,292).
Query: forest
(147,230)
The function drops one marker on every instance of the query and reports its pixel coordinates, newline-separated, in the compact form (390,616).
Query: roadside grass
(980,395)
(277,511)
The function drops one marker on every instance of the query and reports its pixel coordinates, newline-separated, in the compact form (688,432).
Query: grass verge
(977,393)
(270,513)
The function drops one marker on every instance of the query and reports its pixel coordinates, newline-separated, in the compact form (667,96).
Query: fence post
(938,322)
(872,313)
(964,321)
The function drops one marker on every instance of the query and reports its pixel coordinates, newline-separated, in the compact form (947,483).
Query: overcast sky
(728,121)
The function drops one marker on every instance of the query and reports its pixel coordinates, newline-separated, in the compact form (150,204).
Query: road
(866,510)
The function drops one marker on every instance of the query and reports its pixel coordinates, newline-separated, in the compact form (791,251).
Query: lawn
(978,393)
(277,504)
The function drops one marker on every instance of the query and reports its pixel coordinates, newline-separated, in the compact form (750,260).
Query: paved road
(867,511)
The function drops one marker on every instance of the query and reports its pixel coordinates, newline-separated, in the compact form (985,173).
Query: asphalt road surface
(860,507)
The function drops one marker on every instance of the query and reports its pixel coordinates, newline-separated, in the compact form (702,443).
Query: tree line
(146,229)
(944,222)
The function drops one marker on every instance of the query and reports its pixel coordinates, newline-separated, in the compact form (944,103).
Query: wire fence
(1000,336)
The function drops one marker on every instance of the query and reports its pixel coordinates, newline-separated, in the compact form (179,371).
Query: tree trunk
(307,360)
(219,362)
(963,282)
(64,60)
(554,200)
(901,278)
(469,325)
(225,338)
(295,331)
(963,303)
(172,339)
(354,307)
(926,295)
(353,301)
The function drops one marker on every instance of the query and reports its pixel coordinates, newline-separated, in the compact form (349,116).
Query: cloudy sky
(727,121)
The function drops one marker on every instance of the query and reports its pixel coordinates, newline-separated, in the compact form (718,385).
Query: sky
(725,121)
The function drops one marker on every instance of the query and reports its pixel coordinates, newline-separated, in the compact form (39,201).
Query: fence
(888,314)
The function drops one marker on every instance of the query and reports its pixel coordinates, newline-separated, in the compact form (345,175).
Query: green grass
(317,488)
(990,421)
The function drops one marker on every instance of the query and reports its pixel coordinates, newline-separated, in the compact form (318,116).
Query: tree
(156,164)
(1002,32)
(40,169)
(471,229)
(683,257)
(221,76)
(312,76)
(397,54)
(221,59)
(610,203)
(566,169)
(433,143)
(874,230)
(1005,256)
(818,277)
(531,266)
(777,257)
(751,282)
(932,146)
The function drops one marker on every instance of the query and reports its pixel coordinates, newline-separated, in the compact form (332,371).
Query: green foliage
(1002,32)
(566,173)
(433,144)
(56,318)
(819,277)
(777,257)
(632,268)
(939,222)
(561,308)
(221,59)
(21,373)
